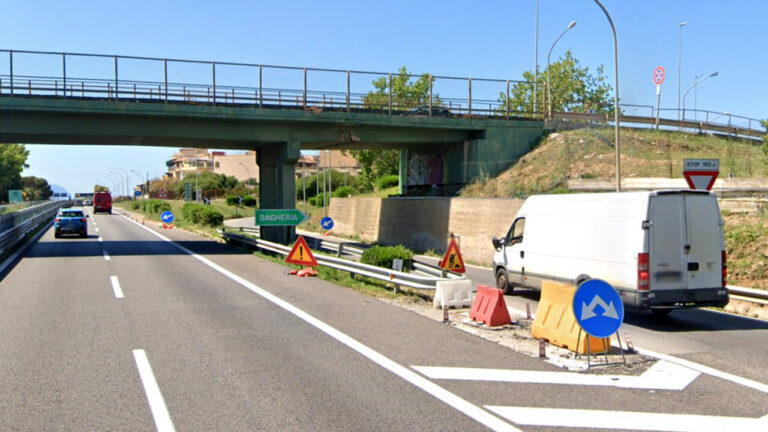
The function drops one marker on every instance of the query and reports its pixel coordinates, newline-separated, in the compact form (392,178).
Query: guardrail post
(10,66)
(507,108)
(213,70)
(117,88)
(390,94)
(430,95)
(261,90)
(470,96)
(165,71)
(304,102)
(348,91)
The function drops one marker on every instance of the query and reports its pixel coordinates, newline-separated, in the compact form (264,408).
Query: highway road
(139,328)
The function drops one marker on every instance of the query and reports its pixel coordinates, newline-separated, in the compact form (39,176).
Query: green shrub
(191,212)
(312,201)
(382,256)
(232,199)
(388,181)
(155,206)
(249,201)
(136,205)
(209,216)
(344,191)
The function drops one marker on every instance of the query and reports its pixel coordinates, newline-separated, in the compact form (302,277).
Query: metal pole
(679,61)
(10,66)
(534,104)
(470,96)
(213,68)
(261,90)
(304,103)
(64,72)
(390,94)
(615,96)
(348,91)
(430,95)
(330,176)
(549,83)
(117,91)
(536,67)
(165,70)
(658,103)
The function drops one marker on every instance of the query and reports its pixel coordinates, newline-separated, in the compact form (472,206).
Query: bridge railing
(162,80)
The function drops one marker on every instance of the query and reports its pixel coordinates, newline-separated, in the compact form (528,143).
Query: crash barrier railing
(25,221)
(426,277)
(748,294)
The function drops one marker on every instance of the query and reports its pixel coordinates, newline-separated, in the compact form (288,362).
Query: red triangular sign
(452,260)
(301,254)
(701,179)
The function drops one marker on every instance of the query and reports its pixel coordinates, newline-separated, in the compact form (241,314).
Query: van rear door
(686,242)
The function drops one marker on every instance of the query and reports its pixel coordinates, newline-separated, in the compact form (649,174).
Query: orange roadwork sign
(301,254)
(452,260)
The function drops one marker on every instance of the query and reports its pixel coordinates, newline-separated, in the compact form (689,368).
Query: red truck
(102,202)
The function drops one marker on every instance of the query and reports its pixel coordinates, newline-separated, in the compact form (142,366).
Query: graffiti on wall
(425,169)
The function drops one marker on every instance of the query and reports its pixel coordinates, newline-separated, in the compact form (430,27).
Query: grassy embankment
(645,153)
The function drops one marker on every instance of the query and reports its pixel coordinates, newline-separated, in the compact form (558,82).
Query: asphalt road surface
(139,328)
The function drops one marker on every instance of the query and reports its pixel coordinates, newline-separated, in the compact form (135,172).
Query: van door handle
(687,249)
(522,254)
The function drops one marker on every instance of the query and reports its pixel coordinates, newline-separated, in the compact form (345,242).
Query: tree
(36,188)
(13,160)
(573,88)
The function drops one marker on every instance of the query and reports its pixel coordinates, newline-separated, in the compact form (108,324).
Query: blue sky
(483,38)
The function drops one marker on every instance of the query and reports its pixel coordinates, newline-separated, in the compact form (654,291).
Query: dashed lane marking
(160,414)
(116,287)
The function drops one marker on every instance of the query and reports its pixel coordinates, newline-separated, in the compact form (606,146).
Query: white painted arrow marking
(588,312)
(600,419)
(661,376)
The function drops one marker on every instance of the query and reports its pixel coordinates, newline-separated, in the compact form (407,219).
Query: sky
(479,39)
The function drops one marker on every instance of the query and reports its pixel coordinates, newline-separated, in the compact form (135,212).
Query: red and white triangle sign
(701,179)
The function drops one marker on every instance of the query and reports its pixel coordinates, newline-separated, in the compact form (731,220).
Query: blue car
(70,221)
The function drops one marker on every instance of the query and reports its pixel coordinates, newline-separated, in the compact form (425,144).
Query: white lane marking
(627,420)
(106,256)
(101,239)
(163,421)
(756,385)
(661,376)
(449,398)
(116,287)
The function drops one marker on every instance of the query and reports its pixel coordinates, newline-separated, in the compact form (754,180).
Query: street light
(615,96)
(146,184)
(713,74)
(536,63)
(679,61)
(121,181)
(549,86)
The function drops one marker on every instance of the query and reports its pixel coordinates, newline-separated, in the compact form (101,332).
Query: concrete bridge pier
(277,181)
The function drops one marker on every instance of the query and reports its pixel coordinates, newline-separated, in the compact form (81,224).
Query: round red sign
(658,75)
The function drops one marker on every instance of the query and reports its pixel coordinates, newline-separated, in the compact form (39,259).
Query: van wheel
(502,281)
(660,313)
(581,279)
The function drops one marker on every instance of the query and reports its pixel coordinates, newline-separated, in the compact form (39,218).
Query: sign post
(658,78)
(599,312)
(701,173)
(452,259)
(167,218)
(15,196)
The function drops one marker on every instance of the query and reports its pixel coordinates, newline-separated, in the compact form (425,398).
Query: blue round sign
(598,308)
(326,223)
(167,216)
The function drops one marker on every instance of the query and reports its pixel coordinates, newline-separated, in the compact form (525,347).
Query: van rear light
(57,220)
(643,282)
(82,219)
(725,268)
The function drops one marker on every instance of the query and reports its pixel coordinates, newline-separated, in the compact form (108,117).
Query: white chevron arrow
(588,312)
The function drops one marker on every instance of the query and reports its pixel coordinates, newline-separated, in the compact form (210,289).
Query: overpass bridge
(65,98)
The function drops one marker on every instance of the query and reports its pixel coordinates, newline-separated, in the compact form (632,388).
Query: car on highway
(70,220)
(439,111)
(87,202)
(102,202)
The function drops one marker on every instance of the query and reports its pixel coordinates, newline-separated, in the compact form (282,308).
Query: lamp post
(247,183)
(615,96)
(713,74)
(679,61)
(146,183)
(115,181)
(119,175)
(696,100)
(549,86)
(536,63)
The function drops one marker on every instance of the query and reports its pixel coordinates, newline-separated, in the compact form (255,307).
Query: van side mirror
(497,243)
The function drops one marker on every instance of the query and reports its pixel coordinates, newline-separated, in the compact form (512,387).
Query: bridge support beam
(277,180)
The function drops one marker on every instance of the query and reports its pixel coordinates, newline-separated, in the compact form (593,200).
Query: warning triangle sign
(301,254)
(700,179)
(452,260)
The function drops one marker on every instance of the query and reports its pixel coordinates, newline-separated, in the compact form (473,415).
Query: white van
(661,250)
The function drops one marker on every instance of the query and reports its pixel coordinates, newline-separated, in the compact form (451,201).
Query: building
(240,166)
(189,161)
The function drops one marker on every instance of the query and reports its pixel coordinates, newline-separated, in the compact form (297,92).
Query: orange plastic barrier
(489,307)
(556,324)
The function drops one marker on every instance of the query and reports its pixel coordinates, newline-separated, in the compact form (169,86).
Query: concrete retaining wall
(426,223)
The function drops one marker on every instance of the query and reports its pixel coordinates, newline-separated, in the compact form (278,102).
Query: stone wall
(426,223)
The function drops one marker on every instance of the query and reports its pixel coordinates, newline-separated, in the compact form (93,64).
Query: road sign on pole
(163,194)
(658,78)
(167,217)
(279,217)
(598,308)
(327,223)
(452,259)
(15,196)
(701,173)
(658,75)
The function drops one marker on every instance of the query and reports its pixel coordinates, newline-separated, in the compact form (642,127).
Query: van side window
(515,234)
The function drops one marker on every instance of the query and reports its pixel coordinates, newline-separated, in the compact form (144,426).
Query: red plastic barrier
(489,307)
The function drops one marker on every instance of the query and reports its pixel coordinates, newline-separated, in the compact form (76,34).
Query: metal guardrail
(27,220)
(748,294)
(427,279)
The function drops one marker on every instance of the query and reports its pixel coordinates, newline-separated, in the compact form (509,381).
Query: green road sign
(187,191)
(278,217)
(15,196)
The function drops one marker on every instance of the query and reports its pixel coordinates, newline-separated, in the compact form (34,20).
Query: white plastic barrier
(456,293)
